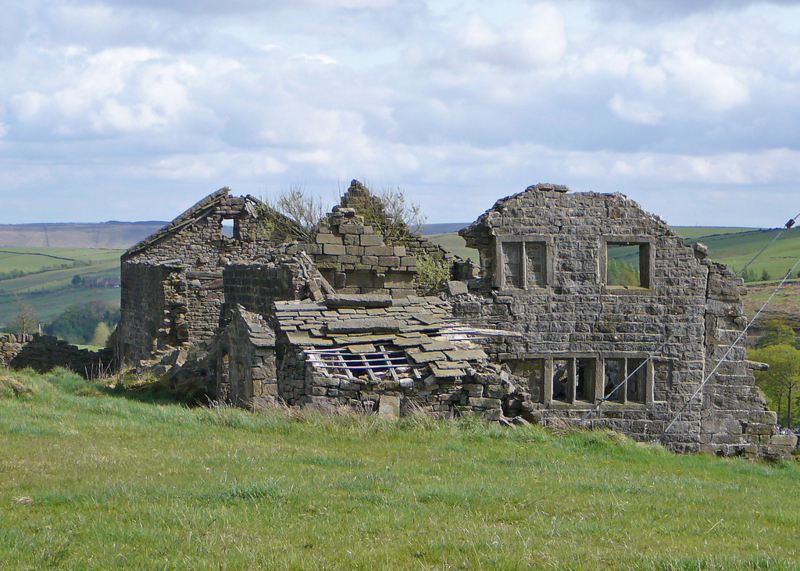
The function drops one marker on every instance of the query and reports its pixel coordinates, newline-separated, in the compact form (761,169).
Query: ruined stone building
(586,310)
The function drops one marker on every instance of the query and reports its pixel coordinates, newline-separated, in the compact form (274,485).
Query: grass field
(95,479)
(737,249)
(454,243)
(692,233)
(48,286)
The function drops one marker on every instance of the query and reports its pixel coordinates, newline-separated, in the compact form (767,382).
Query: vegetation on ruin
(292,215)
(99,478)
(433,274)
(391,214)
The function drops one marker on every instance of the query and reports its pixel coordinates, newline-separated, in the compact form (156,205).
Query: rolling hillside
(76,235)
(46,283)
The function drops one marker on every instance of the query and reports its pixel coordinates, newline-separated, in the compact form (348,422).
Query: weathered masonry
(595,286)
(587,310)
(172,280)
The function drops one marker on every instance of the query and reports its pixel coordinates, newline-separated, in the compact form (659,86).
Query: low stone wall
(481,393)
(45,352)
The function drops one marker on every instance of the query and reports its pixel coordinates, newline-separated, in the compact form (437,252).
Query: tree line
(87,323)
(781,383)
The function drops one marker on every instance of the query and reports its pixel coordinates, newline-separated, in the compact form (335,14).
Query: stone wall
(45,352)
(172,287)
(246,374)
(478,393)
(148,319)
(359,198)
(256,285)
(353,258)
(734,418)
(544,260)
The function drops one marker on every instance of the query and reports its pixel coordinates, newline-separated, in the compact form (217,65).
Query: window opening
(535,260)
(561,380)
(614,377)
(627,265)
(230,228)
(584,379)
(522,262)
(637,384)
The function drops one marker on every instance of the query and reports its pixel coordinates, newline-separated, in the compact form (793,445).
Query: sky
(136,109)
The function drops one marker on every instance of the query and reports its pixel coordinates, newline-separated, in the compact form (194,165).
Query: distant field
(692,233)
(50,289)
(454,243)
(737,249)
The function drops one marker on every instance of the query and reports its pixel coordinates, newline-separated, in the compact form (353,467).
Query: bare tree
(388,212)
(26,321)
(400,212)
(300,207)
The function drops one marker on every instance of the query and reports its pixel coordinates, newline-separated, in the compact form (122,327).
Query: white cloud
(321,58)
(460,103)
(715,86)
(635,111)
(538,39)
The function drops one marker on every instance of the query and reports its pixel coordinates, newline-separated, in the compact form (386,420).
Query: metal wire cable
(788,225)
(624,383)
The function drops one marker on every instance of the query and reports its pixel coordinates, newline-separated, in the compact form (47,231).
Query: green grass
(454,243)
(736,250)
(114,482)
(50,289)
(692,233)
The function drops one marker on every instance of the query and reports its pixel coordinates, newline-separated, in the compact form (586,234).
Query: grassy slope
(117,483)
(453,242)
(692,233)
(736,250)
(48,292)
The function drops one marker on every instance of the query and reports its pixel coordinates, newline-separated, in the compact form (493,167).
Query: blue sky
(134,110)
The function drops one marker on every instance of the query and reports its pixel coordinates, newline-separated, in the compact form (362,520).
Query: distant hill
(444,228)
(111,234)
(114,234)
